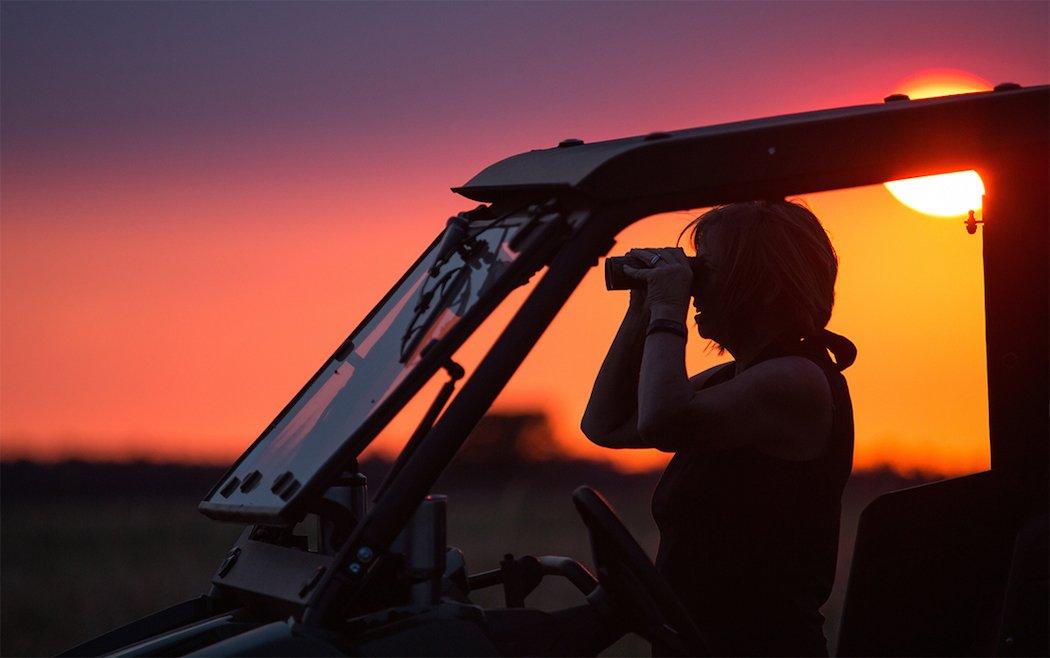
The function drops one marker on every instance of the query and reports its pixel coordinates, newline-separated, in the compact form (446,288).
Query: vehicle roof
(778,156)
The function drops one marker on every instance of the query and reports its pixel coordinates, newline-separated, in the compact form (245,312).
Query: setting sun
(941,82)
(944,195)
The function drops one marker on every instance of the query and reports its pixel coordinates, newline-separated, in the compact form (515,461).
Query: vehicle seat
(1026,611)
(930,569)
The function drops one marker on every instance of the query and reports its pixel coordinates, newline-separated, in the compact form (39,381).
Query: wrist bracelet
(669,326)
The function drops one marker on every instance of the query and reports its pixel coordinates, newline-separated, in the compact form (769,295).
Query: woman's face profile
(705,291)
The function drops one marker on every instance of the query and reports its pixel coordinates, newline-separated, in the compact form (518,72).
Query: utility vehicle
(957,567)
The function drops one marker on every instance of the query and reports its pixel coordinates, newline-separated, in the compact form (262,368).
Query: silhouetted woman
(748,508)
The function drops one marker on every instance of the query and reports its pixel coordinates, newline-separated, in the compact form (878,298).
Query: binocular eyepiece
(615,279)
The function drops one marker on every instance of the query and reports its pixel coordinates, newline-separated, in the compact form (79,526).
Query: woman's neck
(749,347)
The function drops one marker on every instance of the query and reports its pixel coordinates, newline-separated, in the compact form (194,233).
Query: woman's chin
(707,328)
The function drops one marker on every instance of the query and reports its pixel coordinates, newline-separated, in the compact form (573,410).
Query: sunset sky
(199,201)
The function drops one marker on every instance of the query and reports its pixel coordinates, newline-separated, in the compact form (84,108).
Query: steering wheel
(636,590)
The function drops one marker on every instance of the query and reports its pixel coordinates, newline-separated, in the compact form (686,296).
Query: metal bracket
(972,222)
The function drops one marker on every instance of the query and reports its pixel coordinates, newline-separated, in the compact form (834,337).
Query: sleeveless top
(749,541)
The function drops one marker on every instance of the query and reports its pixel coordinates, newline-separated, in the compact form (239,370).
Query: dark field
(90,548)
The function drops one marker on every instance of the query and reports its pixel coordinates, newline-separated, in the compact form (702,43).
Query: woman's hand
(668,280)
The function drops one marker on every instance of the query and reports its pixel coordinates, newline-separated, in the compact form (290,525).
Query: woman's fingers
(639,274)
(674,255)
(641,254)
(650,257)
(660,255)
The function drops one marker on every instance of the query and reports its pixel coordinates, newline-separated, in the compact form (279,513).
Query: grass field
(72,570)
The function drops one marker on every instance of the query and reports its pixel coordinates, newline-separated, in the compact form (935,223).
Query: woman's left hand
(668,280)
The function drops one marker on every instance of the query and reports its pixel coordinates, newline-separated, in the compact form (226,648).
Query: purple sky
(105,75)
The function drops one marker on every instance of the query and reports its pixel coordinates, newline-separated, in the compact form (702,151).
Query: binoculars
(615,279)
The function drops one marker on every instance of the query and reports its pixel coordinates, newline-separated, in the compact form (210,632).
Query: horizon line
(882,467)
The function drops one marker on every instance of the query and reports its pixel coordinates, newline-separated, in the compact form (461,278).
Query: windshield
(352,387)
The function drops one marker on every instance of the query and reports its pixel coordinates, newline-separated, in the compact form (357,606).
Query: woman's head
(768,264)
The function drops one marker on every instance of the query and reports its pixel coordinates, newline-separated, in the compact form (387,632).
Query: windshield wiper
(456,233)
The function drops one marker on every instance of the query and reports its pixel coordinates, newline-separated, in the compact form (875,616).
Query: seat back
(930,569)
(1025,630)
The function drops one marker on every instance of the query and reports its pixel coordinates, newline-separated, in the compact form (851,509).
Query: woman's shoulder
(800,389)
(706,377)
(794,377)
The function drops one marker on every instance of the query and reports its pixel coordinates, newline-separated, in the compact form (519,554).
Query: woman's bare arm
(611,417)
(664,388)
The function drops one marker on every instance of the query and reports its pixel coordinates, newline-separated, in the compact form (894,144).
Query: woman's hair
(776,259)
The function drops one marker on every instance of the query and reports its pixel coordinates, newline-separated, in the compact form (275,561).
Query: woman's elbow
(607,438)
(593,435)
(655,432)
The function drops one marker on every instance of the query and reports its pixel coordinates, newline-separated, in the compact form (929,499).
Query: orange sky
(167,306)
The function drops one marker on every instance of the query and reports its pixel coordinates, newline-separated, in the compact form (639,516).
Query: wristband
(670,326)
